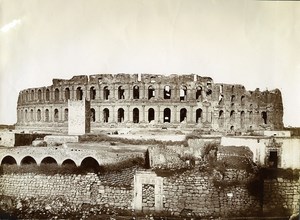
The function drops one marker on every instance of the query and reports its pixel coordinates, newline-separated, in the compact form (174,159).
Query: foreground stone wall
(196,191)
(192,192)
(282,194)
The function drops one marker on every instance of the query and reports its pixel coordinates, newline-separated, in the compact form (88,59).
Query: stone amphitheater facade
(151,100)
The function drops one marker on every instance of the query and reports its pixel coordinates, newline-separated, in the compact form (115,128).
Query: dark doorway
(167,115)
(120,115)
(264,117)
(105,115)
(198,115)
(136,92)
(79,93)
(136,115)
(151,114)
(198,92)
(67,93)
(105,93)
(273,159)
(182,114)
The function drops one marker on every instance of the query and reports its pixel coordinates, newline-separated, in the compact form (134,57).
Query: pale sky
(254,43)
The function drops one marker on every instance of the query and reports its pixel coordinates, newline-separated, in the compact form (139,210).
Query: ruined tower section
(151,101)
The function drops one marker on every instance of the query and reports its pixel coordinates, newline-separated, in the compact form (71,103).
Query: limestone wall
(282,195)
(145,99)
(75,189)
(192,191)
(197,192)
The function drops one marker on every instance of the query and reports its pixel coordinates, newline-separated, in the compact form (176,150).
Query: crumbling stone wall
(196,191)
(281,195)
(192,191)
(126,100)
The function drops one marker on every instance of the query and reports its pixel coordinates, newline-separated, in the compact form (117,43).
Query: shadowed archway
(90,163)
(8,160)
(49,160)
(28,160)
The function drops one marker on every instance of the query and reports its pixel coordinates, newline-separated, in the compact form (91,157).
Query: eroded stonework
(149,100)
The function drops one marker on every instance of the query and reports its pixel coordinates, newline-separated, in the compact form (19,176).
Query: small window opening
(136,92)
(121,92)
(105,93)
(167,92)
(151,92)
(167,115)
(183,93)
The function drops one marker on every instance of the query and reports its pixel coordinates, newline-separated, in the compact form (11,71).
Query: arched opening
(46,115)
(31,114)
(28,160)
(151,92)
(39,95)
(67,93)
(136,115)
(243,100)
(167,115)
(26,115)
(136,92)
(32,95)
(39,115)
(8,160)
(167,92)
(221,118)
(56,115)
(90,163)
(264,117)
(183,93)
(92,93)
(183,114)
(79,93)
(66,114)
(105,115)
(49,160)
(69,162)
(198,115)
(198,92)
(242,119)
(56,94)
(232,89)
(232,98)
(232,115)
(120,115)
(121,92)
(232,128)
(93,115)
(151,114)
(47,95)
(105,93)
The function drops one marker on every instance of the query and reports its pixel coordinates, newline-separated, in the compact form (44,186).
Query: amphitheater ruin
(149,100)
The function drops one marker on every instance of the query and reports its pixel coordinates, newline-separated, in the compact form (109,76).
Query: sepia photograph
(150,109)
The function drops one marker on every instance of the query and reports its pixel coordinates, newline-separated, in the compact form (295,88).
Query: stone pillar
(143,113)
(113,114)
(189,113)
(158,114)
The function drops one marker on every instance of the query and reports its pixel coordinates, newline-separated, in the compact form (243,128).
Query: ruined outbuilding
(144,100)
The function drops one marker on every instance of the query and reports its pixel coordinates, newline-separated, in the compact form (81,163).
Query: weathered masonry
(143,100)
